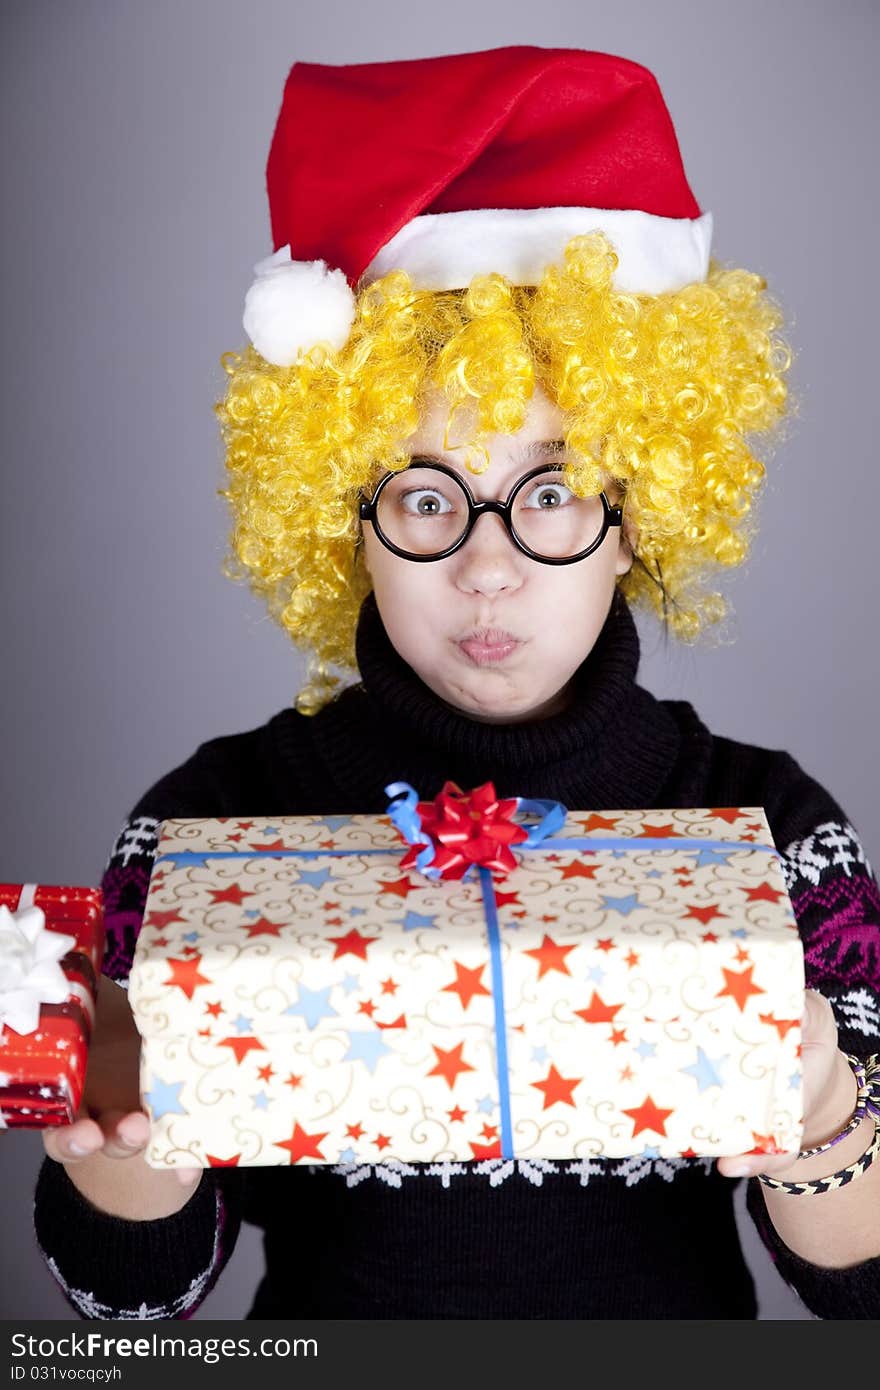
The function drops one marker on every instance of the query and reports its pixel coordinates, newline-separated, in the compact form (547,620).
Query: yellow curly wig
(659,392)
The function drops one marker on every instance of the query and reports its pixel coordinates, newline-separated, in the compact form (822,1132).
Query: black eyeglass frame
(611,515)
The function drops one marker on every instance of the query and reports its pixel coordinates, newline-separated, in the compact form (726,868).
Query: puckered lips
(487,646)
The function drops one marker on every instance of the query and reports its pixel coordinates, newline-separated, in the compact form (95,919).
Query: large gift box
(310,991)
(51,944)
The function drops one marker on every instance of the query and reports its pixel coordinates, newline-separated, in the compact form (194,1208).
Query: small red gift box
(49,937)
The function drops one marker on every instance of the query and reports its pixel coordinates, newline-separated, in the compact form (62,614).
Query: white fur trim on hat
(444,250)
(296,304)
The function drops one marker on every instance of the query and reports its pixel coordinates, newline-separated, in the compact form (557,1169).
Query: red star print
(687,1153)
(389,986)
(354,1131)
(456,1114)
(232,894)
(401,887)
(708,936)
(204,1032)
(161,941)
(262,927)
(489,1131)
(264,847)
(335,921)
(549,917)
(763,894)
(703,914)
(326,844)
(659,832)
(626,1074)
(241,1046)
(765,1144)
(578,870)
(399,1022)
(618,1036)
(352,944)
(597,822)
(632,959)
(185,974)
(504,899)
(161,920)
(234,839)
(739,986)
(245,825)
(742,954)
(266,1073)
(598,1011)
(382,1141)
(215,1162)
(486,1150)
(685,882)
(557,1089)
(467,983)
(450,1064)
(293,1081)
(366,1006)
(648,1116)
(302,1145)
(782,1025)
(550,956)
(215,1010)
(330,907)
(727,813)
(190,951)
(605,943)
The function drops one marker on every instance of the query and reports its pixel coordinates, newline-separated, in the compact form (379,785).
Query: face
(492,632)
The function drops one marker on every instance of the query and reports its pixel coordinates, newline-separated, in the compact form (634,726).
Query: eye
(423,501)
(547,496)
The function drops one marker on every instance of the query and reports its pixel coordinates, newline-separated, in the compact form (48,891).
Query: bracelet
(867,1076)
(839,1179)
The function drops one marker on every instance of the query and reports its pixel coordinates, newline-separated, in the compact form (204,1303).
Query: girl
(532,412)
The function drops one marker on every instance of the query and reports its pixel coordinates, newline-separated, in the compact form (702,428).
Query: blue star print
(646,1049)
(597,974)
(486,1105)
(315,878)
(313,1005)
(270,830)
(348,1156)
(261,1101)
(242,1024)
(366,1048)
(191,936)
(349,983)
(334,823)
(706,1071)
(416,921)
(163,1098)
(539,1054)
(711,856)
(622,905)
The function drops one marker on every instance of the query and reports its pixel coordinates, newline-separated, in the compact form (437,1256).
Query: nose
(488,562)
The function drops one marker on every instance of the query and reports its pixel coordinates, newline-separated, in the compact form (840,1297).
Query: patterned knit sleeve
(836,900)
(108,1267)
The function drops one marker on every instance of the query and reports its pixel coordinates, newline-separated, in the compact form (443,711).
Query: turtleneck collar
(613,747)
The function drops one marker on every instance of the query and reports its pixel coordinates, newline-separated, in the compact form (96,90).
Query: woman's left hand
(829,1093)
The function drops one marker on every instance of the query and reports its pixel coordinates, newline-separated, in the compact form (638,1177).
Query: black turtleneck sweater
(635,1238)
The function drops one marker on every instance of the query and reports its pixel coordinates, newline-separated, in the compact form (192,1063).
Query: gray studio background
(135,137)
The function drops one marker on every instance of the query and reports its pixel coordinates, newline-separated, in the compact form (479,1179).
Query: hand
(829,1094)
(110,1122)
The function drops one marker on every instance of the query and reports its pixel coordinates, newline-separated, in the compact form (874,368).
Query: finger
(818,1024)
(72,1143)
(188,1177)
(125,1133)
(749,1165)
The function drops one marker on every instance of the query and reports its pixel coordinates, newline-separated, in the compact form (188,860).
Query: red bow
(468,828)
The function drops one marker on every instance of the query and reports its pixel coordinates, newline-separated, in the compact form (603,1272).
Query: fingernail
(739,1170)
(77,1150)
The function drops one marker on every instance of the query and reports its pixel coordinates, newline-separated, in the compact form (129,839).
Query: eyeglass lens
(424,513)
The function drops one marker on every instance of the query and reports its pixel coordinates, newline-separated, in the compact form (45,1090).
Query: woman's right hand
(110,1125)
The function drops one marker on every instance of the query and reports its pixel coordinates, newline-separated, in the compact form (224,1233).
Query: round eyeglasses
(427,511)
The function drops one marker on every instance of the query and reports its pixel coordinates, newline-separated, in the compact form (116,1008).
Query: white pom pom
(296,304)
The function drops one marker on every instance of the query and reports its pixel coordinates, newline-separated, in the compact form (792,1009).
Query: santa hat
(456,166)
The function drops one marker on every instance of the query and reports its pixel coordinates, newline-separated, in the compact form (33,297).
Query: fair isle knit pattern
(495,1238)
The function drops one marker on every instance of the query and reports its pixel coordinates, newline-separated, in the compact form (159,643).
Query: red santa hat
(456,166)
